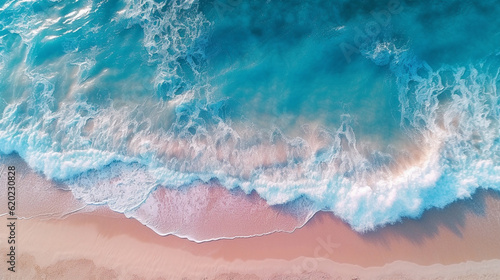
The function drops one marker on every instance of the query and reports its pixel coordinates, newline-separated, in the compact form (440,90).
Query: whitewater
(373,110)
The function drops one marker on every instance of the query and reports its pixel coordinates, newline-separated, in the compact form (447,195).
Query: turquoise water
(375,110)
(289,70)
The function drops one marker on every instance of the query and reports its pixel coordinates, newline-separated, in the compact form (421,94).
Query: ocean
(373,110)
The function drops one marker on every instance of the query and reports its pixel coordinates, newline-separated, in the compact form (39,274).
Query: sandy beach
(458,242)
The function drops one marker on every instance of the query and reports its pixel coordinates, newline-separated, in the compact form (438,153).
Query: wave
(114,138)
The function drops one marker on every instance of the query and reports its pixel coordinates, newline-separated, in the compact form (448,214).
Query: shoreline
(93,242)
(66,240)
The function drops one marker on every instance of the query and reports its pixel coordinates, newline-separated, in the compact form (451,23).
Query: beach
(457,242)
(104,245)
(228,139)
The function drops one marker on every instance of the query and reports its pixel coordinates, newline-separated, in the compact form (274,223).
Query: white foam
(118,153)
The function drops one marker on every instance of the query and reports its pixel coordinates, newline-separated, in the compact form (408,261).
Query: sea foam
(115,124)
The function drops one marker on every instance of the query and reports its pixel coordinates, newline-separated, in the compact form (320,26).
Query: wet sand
(106,245)
(458,242)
